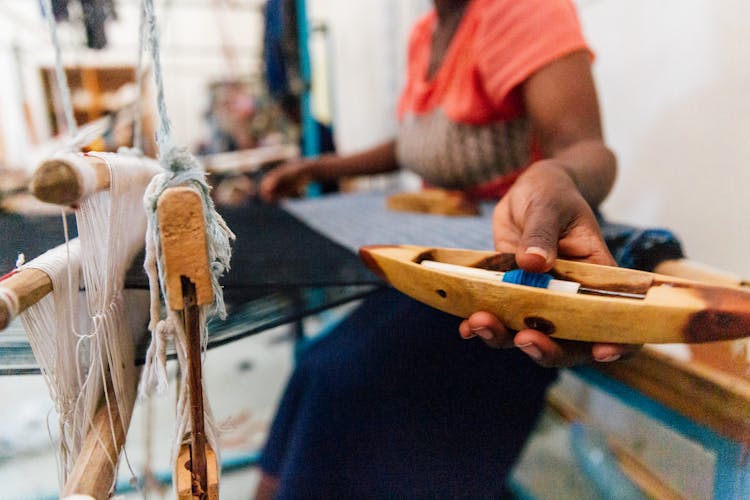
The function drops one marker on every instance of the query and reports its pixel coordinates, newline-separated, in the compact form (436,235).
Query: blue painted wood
(732,468)
(732,472)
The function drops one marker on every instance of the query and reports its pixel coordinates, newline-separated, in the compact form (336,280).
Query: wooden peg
(188,282)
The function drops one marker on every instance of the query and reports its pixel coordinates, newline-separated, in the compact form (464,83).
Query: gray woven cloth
(357,219)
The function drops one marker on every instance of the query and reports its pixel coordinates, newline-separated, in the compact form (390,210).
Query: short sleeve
(517,38)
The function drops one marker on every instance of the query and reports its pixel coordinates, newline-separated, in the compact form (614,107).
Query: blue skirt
(393,403)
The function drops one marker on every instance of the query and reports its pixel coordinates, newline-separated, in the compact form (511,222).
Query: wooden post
(631,465)
(188,283)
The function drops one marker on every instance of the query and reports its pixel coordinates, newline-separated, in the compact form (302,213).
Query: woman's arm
(377,160)
(288,178)
(549,210)
(562,103)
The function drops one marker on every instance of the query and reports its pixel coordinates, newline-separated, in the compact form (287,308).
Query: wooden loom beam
(28,286)
(248,161)
(188,282)
(68,178)
(59,180)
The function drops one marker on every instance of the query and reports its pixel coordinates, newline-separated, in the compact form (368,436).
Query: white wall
(368,39)
(674,81)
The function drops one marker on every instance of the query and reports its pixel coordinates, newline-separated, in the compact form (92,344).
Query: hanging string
(138,119)
(49,326)
(164,132)
(60,77)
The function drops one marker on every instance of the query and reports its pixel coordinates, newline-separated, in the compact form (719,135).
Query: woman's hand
(543,216)
(287,180)
(538,346)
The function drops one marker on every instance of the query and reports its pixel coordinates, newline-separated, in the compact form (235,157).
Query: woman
(499,102)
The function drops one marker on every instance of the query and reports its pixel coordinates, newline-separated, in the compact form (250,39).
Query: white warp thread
(50,325)
(82,358)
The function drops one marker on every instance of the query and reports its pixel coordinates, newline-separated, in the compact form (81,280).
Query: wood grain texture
(705,395)
(183,239)
(188,282)
(191,318)
(673,310)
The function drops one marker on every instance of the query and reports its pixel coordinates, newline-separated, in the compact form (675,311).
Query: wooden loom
(188,281)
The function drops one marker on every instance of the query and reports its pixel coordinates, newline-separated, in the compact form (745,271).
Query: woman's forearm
(561,100)
(592,167)
(377,160)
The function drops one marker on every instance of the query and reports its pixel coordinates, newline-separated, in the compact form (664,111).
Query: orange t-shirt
(498,45)
(466,127)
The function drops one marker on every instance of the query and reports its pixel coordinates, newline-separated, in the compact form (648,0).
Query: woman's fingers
(552,353)
(540,347)
(564,353)
(488,328)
